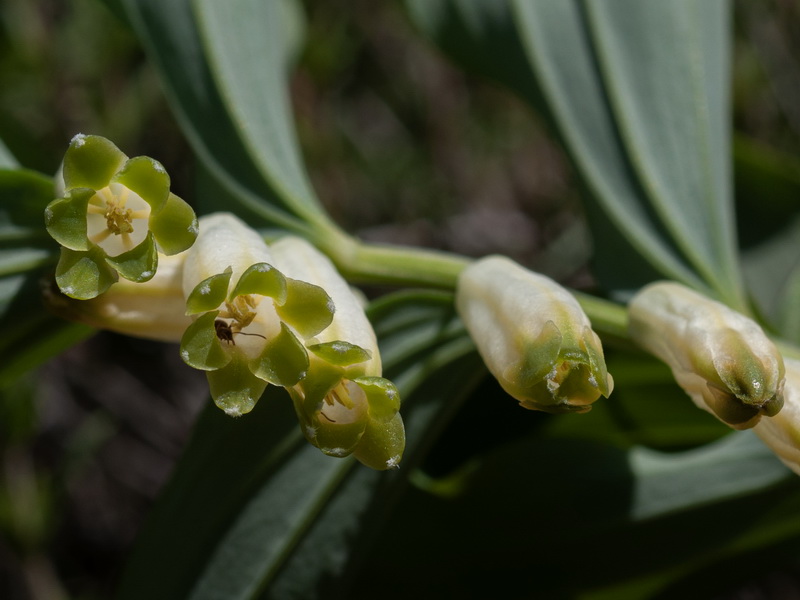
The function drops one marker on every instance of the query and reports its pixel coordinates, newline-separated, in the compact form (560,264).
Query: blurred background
(402,147)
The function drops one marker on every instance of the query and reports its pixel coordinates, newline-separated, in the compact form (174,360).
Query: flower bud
(114,217)
(533,336)
(781,433)
(722,359)
(344,405)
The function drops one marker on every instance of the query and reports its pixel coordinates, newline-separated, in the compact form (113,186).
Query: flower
(533,336)
(343,404)
(722,359)
(155,309)
(781,432)
(249,319)
(113,217)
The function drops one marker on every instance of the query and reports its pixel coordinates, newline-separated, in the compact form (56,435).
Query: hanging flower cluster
(284,316)
(114,215)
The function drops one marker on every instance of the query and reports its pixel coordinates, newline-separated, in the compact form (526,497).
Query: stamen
(103,235)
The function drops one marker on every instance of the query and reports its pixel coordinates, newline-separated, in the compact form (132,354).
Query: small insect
(225,333)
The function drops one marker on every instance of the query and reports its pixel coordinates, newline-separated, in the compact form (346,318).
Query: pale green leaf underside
(661,176)
(247,50)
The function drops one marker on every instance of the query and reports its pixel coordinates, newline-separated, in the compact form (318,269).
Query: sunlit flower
(344,405)
(114,216)
(722,359)
(533,336)
(250,320)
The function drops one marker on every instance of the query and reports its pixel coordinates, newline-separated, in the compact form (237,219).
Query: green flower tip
(723,360)
(116,213)
(533,336)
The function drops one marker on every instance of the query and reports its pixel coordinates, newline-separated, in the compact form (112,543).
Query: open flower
(250,320)
(722,359)
(781,433)
(114,217)
(344,405)
(533,336)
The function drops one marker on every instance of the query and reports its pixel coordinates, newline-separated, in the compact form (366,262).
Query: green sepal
(147,178)
(597,363)
(234,388)
(84,274)
(341,353)
(322,377)
(91,161)
(538,359)
(65,219)
(209,294)
(382,395)
(308,308)
(262,279)
(175,226)
(284,360)
(382,444)
(138,264)
(200,346)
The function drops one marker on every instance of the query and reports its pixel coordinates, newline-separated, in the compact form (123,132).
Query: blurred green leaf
(24,242)
(638,91)
(253,511)
(7,160)
(641,519)
(771,270)
(249,51)
(169,35)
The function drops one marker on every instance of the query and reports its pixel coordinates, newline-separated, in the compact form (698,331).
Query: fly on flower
(114,216)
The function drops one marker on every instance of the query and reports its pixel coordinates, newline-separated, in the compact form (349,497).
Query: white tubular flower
(154,310)
(781,433)
(722,359)
(533,336)
(250,320)
(344,405)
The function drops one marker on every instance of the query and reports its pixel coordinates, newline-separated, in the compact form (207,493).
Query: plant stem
(362,262)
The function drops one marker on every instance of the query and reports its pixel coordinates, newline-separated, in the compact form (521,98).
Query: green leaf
(65,219)
(7,160)
(170,37)
(308,308)
(638,92)
(31,335)
(84,275)
(175,226)
(264,280)
(147,178)
(91,161)
(138,264)
(200,346)
(284,360)
(24,243)
(285,505)
(209,294)
(256,98)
